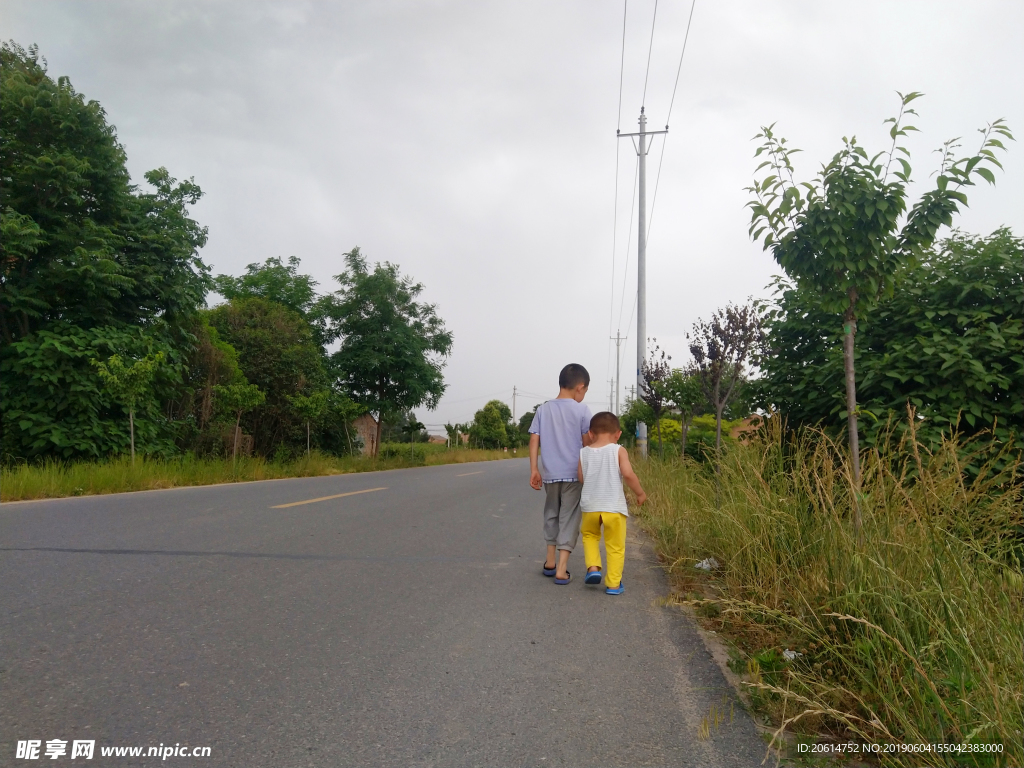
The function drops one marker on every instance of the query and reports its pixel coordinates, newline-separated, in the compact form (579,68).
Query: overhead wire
(668,119)
(615,208)
(629,239)
(650,48)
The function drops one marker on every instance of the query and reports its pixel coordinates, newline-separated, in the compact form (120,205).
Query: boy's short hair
(605,423)
(572,376)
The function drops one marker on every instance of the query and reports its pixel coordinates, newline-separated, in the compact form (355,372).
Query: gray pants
(562,514)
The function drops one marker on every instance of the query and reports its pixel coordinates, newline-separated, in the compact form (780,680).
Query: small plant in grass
(128,384)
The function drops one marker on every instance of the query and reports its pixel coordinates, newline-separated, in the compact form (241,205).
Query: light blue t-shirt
(561,424)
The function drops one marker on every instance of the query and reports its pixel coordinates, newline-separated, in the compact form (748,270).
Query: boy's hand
(536,481)
(641,498)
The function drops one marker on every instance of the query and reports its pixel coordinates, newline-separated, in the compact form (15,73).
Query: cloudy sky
(474,143)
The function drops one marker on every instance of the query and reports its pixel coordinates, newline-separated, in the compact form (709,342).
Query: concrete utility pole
(618,342)
(513,403)
(611,393)
(641,266)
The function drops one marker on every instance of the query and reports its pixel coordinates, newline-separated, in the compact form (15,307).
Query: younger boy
(603,466)
(560,429)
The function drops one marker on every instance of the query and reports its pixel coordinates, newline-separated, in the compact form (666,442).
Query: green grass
(55,479)
(911,636)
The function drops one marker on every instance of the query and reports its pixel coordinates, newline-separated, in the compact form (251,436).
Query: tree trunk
(234,448)
(348,437)
(682,441)
(380,431)
(307,438)
(718,428)
(849,332)
(131,429)
(718,455)
(661,448)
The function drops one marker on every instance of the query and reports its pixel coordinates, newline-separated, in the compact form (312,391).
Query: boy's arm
(629,476)
(579,470)
(536,482)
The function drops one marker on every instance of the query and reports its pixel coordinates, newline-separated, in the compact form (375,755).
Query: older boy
(559,429)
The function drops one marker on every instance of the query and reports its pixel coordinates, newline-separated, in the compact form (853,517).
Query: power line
(680,67)
(629,240)
(661,159)
(615,208)
(622,64)
(650,48)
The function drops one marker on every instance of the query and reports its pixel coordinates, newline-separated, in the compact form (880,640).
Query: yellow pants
(614,543)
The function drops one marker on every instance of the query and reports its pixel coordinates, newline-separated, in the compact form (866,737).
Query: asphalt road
(406,626)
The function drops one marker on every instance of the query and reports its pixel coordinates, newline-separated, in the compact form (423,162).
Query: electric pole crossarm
(645,133)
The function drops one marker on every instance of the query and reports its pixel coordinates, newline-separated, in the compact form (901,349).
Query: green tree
(277,351)
(393,348)
(54,404)
(272,280)
(310,407)
(453,435)
(341,411)
(492,426)
(635,411)
(840,237)
(280,283)
(128,384)
(89,265)
(82,246)
(526,421)
(683,391)
(236,399)
(949,341)
(210,361)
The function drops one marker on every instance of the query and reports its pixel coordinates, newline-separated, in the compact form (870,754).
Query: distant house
(438,439)
(366,428)
(743,432)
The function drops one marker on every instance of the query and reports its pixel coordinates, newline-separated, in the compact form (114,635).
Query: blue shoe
(617,591)
(547,571)
(563,582)
(593,577)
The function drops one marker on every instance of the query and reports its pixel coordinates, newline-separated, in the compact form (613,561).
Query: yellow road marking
(467,474)
(326,498)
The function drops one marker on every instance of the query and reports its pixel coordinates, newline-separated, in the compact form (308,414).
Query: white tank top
(602,481)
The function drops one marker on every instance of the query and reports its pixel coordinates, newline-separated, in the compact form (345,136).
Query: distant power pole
(611,393)
(618,341)
(641,264)
(513,403)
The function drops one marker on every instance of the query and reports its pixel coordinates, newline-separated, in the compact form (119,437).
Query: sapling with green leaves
(845,235)
(683,391)
(347,410)
(310,408)
(128,384)
(237,399)
(453,435)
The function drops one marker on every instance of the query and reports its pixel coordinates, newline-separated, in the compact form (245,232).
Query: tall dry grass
(911,634)
(54,479)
